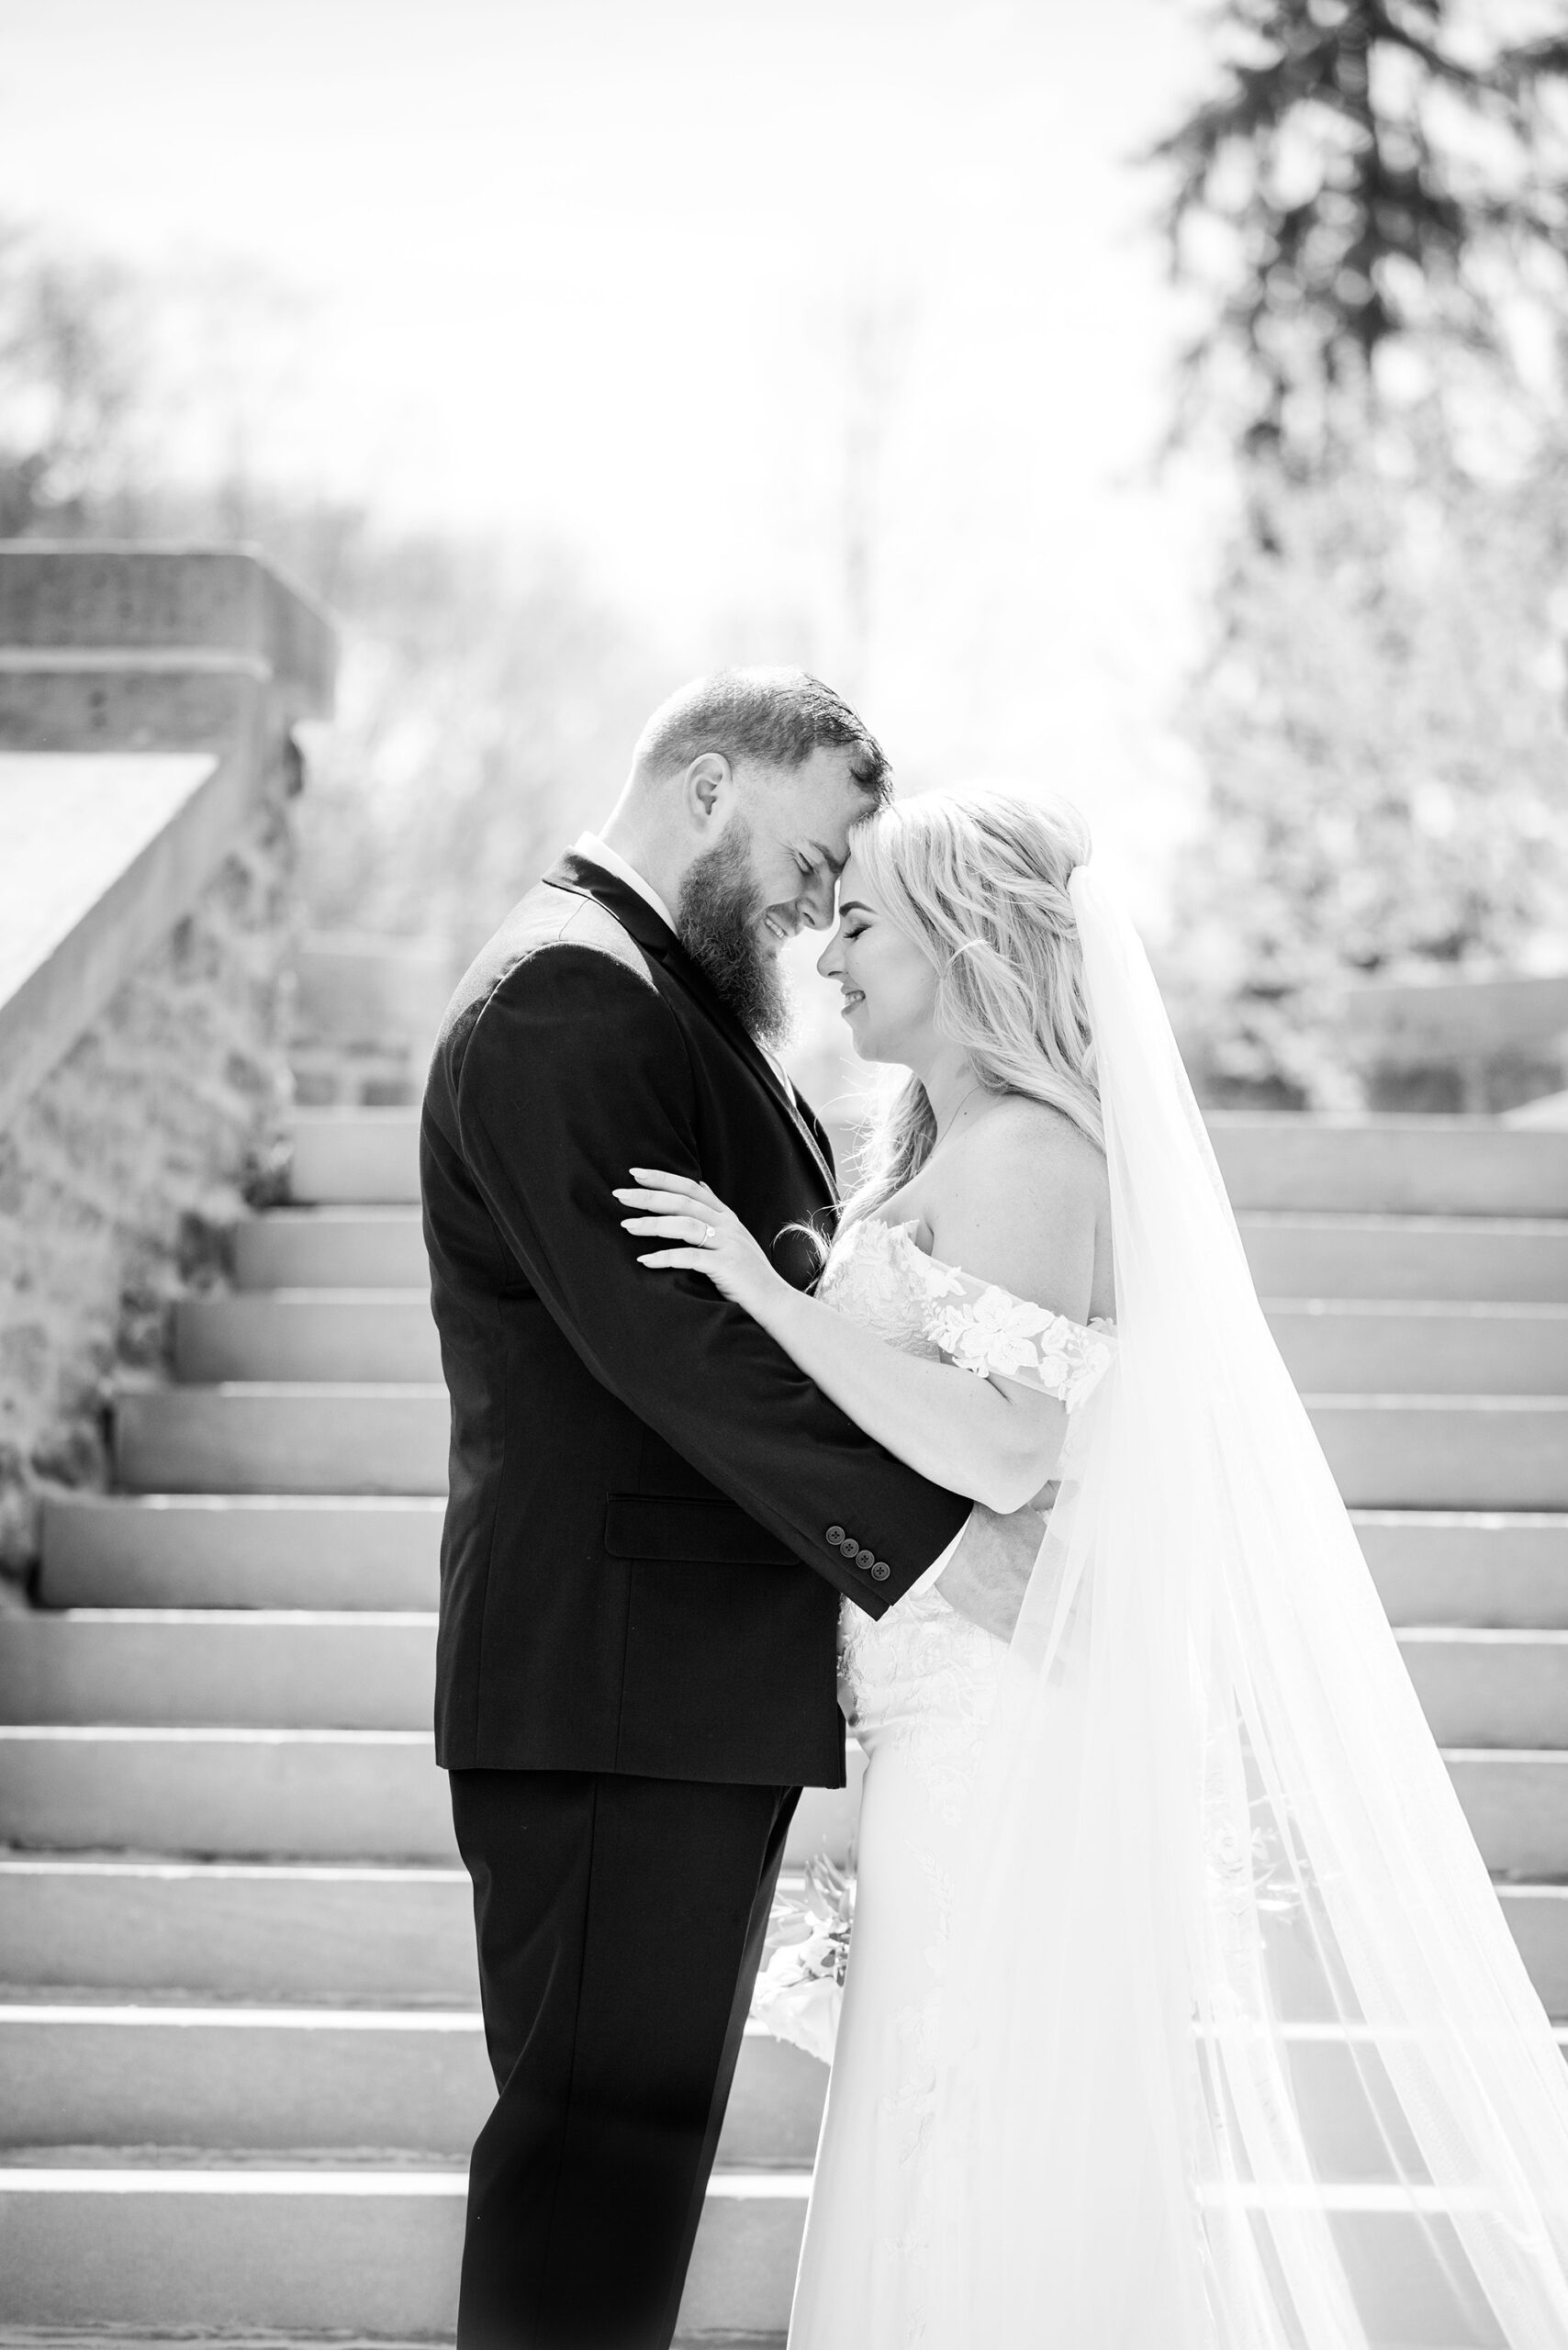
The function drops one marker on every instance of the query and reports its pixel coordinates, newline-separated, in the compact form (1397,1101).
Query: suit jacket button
(865,1558)
(834,1538)
(881,1570)
(849,1546)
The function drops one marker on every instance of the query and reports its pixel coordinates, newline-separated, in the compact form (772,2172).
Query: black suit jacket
(651,1512)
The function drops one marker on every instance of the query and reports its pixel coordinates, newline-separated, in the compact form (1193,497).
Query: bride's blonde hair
(977,881)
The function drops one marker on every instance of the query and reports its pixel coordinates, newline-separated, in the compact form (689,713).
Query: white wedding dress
(1181,2012)
(918,1686)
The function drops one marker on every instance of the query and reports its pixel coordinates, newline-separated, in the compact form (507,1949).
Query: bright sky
(589,268)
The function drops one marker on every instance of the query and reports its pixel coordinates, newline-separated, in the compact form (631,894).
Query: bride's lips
(853,999)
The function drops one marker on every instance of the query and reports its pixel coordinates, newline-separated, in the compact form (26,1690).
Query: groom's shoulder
(549,917)
(553,940)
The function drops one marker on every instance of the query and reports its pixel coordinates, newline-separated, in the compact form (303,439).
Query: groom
(653,1514)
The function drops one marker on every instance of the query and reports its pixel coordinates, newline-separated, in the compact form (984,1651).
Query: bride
(1181,2014)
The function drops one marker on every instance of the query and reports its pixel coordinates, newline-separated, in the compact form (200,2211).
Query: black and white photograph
(783,1174)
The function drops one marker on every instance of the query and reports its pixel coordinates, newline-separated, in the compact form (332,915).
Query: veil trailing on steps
(1239,2052)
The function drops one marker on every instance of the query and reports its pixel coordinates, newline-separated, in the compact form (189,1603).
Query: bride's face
(890,987)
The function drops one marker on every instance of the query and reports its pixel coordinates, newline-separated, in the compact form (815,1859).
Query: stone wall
(121,1177)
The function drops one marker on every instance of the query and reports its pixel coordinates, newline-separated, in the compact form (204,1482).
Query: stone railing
(1459,1044)
(148,698)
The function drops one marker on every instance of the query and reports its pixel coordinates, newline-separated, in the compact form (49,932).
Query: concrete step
(323,2248)
(362,989)
(353,2082)
(278,1932)
(360,1669)
(1517,1809)
(1497,1567)
(327,1795)
(262,1669)
(375,2252)
(350,1075)
(377,1795)
(331,1550)
(1431,1166)
(1391,1166)
(359,2082)
(262,1439)
(1367,1346)
(331,1248)
(325,2080)
(1386,1452)
(315,1794)
(1491,1688)
(232,1930)
(1537,1920)
(1384,1346)
(1503,1568)
(265,1933)
(349,1157)
(1446,1452)
(1294,1255)
(317,1334)
(1421,1259)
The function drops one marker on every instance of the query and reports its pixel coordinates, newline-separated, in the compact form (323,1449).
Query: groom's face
(771,873)
(798,821)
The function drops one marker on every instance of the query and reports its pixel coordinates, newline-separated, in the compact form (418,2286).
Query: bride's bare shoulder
(1019,1201)
(1024,1144)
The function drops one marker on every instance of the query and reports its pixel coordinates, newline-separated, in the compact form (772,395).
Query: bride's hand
(709,1237)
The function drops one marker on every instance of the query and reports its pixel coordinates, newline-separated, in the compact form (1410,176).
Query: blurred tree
(1374,211)
(1382,732)
(70,371)
(487,705)
(1371,174)
(489,698)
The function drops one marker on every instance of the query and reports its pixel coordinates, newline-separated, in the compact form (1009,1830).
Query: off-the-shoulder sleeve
(985,1330)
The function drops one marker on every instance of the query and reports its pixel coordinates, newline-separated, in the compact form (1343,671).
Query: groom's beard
(718,920)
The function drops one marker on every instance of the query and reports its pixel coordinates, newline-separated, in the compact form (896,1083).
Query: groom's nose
(817,901)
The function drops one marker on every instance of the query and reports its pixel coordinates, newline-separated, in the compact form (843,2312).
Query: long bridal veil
(1239,2052)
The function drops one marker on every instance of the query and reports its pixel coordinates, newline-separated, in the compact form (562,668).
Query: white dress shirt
(588,844)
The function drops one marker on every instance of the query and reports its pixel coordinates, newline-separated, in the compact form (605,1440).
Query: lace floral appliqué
(986,1329)
(881,1276)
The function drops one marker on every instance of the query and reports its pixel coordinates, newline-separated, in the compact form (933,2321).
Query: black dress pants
(620,1925)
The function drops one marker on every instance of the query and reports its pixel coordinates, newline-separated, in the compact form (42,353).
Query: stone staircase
(240,2062)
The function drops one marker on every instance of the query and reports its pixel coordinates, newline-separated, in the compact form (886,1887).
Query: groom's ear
(706,786)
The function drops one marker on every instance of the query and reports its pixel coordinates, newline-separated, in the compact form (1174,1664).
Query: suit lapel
(652,933)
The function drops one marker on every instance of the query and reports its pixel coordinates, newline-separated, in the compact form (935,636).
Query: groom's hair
(774,718)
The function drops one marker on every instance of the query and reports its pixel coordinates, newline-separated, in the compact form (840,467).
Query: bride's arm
(993,1438)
